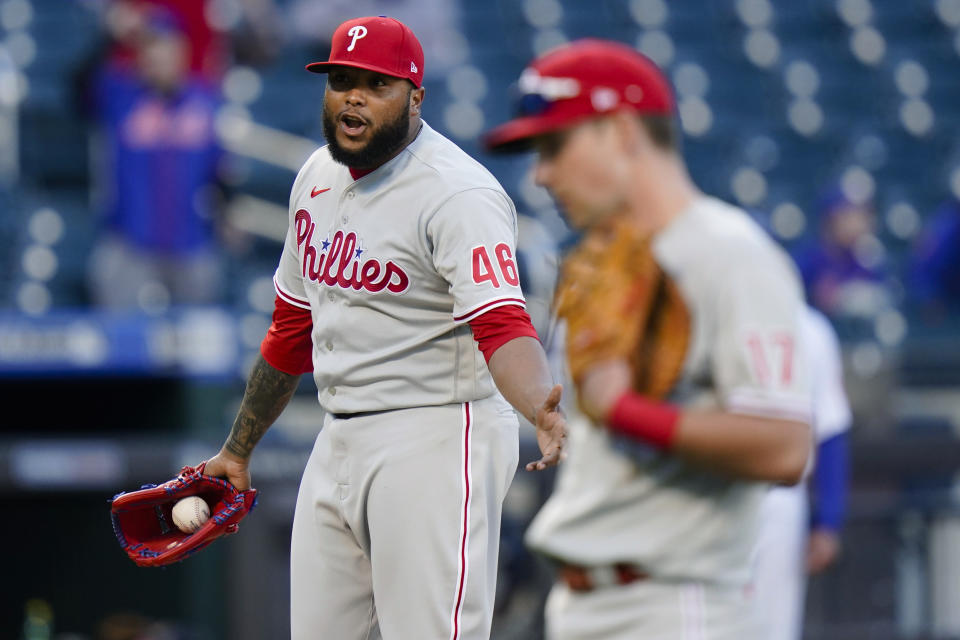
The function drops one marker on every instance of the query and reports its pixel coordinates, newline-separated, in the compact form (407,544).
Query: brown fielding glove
(619,303)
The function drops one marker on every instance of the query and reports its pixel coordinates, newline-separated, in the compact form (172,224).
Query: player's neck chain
(337,263)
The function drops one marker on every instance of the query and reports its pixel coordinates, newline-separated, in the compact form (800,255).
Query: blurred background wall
(147,149)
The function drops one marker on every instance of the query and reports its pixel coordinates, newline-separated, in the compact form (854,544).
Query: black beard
(385,142)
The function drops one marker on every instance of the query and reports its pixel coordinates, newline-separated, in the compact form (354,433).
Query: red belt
(590,578)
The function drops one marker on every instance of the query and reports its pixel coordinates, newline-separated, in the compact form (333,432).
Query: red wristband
(635,416)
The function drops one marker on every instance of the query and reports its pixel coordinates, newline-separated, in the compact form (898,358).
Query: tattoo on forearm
(268,392)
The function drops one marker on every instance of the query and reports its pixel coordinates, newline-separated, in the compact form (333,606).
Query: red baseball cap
(376,43)
(577,81)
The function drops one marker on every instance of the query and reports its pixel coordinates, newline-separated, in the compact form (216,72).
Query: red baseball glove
(143,521)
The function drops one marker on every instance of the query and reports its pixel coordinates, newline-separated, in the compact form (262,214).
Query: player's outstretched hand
(551,431)
(234,469)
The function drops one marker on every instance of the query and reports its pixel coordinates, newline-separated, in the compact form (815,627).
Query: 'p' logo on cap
(393,49)
(357,31)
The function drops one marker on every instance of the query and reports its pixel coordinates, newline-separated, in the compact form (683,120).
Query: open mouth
(352,125)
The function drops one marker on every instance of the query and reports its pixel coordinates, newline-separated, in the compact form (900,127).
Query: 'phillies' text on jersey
(329,265)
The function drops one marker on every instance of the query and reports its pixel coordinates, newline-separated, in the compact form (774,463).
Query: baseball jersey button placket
(329,345)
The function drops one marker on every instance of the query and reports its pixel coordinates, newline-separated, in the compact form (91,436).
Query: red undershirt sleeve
(288,345)
(495,328)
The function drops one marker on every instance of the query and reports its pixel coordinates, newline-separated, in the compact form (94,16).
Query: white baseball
(190,513)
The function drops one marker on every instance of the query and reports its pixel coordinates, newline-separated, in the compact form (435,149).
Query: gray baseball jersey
(617,501)
(780,563)
(396,529)
(392,267)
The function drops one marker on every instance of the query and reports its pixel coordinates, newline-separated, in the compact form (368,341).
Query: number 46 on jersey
(503,268)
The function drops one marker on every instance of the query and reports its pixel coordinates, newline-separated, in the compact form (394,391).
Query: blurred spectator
(933,278)
(129,21)
(158,174)
(246,31)
(844,269)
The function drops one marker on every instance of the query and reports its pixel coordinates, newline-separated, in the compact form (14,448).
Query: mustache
(351,114)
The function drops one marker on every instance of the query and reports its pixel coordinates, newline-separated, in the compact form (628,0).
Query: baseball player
(654,516)
(398,288)
(793,543)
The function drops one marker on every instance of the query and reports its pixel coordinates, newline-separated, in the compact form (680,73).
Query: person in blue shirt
(158,173)
(933,271)
(844,268)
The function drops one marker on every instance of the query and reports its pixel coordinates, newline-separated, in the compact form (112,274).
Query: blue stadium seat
(291,98)
(900,21)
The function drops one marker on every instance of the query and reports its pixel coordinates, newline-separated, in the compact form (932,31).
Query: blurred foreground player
(682,321)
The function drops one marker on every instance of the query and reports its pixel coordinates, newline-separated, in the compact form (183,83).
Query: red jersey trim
(486,306)
(463,548)
(768,411)
(291,299)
